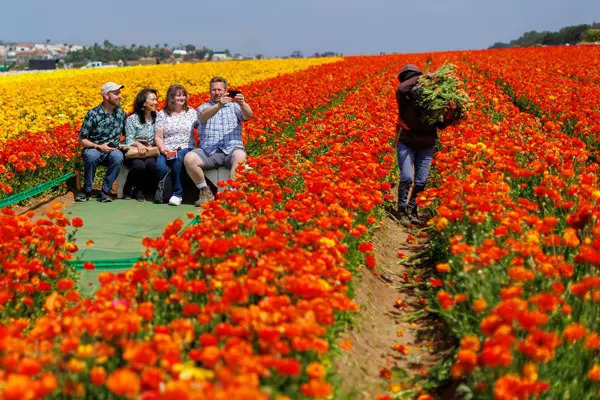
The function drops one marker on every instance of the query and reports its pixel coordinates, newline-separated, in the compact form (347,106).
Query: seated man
(99,136)
(220,133)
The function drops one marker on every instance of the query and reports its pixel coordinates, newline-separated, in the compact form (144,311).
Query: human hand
(223,100)
(105,148)
(239,98)
(141,148)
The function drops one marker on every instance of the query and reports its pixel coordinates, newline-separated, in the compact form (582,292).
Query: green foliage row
(568,35)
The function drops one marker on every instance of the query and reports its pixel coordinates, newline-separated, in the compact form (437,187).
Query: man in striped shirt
(220,132)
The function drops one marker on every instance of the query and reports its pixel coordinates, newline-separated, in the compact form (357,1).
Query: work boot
(204,196)
(416,218)
(402,216)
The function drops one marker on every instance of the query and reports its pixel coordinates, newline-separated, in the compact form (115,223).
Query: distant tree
(227,52)
(296,54)
(190,48)
(499,45)
(107,44)
(569,34)
(259,56)
(592,35)
(47,41)
(203,53)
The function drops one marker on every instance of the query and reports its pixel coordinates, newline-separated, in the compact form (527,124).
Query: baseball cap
(109,87)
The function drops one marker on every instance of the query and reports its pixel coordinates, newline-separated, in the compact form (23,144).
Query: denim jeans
(92,158)
(414,169)
(177,170)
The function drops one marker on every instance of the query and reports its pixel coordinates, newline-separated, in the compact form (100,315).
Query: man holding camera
(220,133)
(99,136)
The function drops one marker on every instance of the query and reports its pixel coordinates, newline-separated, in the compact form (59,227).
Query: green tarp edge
(34,191)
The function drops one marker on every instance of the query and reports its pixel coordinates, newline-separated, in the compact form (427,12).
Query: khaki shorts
(217,159)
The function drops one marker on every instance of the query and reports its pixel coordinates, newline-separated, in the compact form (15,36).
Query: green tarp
(117,230)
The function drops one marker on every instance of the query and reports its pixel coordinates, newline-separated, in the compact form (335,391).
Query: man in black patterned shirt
(99,136)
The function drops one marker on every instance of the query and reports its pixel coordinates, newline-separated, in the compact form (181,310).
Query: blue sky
(276,28)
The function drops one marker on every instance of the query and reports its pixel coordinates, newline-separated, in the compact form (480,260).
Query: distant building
(220,56)
(24,48)
(75,47)
(180,52)
(93,64)
(42,64)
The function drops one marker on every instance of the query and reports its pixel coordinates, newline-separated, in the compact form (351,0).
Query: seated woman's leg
(177,170)
(149,175)
(161,171)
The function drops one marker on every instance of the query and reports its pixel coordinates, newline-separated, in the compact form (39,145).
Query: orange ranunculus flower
(594,372)
(573,332)
(124,382)
(316,388)
(98,376)
(315,370)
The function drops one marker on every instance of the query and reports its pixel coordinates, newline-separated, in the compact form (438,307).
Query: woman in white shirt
(174,136)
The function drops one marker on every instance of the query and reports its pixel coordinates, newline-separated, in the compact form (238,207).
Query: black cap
(408,71)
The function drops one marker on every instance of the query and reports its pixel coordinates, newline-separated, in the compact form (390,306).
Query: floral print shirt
(178,128)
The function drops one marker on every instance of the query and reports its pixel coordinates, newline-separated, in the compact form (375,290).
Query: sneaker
(175,200)
(82,196)
(139,195)
(104,198)
(204,197)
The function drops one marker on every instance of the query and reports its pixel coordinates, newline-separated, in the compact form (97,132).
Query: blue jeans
(177,170)
(414,169)
(91,159)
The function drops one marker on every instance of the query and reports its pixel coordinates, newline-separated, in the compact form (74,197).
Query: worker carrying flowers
(426,103)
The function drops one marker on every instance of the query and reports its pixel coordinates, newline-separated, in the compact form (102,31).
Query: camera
(233,93)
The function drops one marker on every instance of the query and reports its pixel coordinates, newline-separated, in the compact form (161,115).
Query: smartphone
(233,93)
(171,154)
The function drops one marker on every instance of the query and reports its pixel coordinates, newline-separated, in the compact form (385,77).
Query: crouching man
(99,136)
(220,132)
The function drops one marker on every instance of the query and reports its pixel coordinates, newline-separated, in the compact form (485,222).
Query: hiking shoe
(205,196)
(104,198)
(139,195)
(175,200)
(82,196)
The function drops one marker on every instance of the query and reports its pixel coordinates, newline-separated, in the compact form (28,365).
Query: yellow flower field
(37,102)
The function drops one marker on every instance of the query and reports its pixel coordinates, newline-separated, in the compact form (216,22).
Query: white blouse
(178,128)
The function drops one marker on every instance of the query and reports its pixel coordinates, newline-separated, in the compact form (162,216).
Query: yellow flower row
(37,102)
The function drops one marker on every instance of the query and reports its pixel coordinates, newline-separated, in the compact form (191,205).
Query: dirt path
(381,337)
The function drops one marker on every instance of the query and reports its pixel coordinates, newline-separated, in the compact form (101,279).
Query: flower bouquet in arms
(441,96)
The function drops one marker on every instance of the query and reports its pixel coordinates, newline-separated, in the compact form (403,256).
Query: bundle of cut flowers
(441,96)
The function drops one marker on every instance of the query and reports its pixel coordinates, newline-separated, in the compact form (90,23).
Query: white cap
(109,87)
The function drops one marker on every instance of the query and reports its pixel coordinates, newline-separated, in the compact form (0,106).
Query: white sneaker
(175,200)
